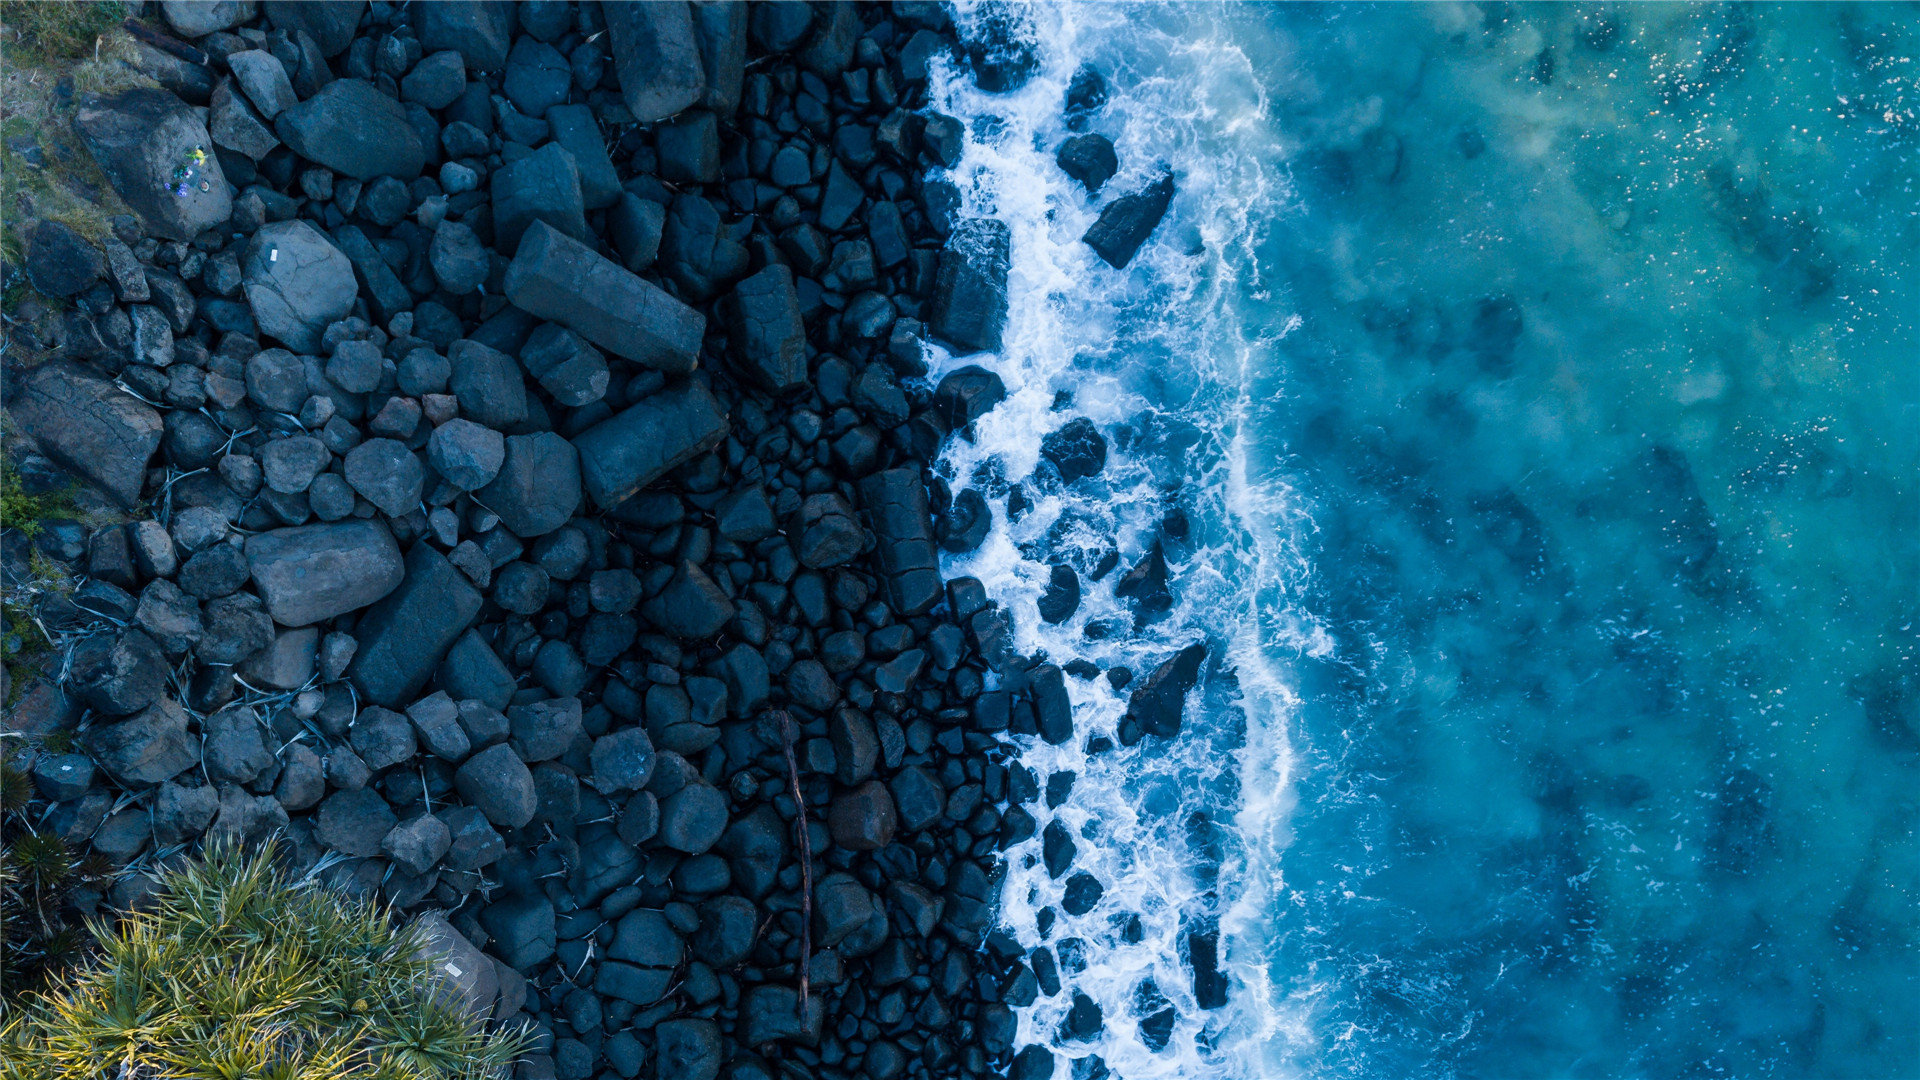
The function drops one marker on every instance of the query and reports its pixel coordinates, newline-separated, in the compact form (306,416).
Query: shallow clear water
(1540,386)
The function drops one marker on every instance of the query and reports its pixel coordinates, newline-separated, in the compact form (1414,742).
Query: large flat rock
(896,506)
(87,424)
(146,142)
(353,128)
(656,55)
(313,572)
(628,451)
(559,278)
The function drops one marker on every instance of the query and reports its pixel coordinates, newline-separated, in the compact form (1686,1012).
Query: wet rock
(1126,222)
(1146,587)
(355,130)
(538,486)
(1034,1062)
(970,287)
(896,505)
(87,425)
(766,340)
(1052,709)
(555,277)
(1062,595)
(353,822)
(964,526)
(386,474)
(145,141)
(499,785)
(61,262)
(404,635)
(1157,704)
(1086,93)
(966,394)
(543,186)
(1057,848)
(468,455)
(1077,449)
(146,749)
(634,448)
(656,57)
(1082,892)
(297,283)
(1089,159)
(863,819)
(311,573)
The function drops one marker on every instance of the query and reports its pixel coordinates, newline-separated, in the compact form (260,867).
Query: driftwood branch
(806,855)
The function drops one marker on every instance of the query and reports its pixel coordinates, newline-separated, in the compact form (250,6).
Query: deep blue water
(1527,401)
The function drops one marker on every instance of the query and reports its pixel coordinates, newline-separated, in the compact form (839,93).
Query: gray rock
(693,818)
(460,262)
(233,748)
(297,283)
(118,673)
(691,607)
(772,1013)
(896,506)
(197,18)
(543,730)
(265,81)
(330,23)
(463,971)
(622,761)
(246,819)
(403,637)
(656,57)
(629,982)
(287,663)
(86,424)
(356,366)
(1126,222)
(382,738)
(61,262)
(480,31)
(233,123)
(354,129)
(555,277)
(472,671)
(303,779)
(538,77)
(544,186)
(289,465)
(574,130)
(353,822)
(499,784)
(182,813)
(970,287)
(521,928)
(687,1049)
(538,486)
(59,777)
(237,626)
(918,799)
(170,617)
(765,338)
(417,844)
(488,384)
(311,573)
(472,842)
(144,141)
(436,81)
(571,371)
(436,720)
(632,449)
(146,749)
(467,455)
(386,474)
(637,225)
(645,937)
(277,380)
(828,534)
(745,516)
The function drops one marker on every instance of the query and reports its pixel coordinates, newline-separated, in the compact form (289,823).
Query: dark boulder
(86,424)
(571,371)
(543,186)
(538,487)
(1089,159)
(1077,449)
(311,573)
(403,636)
(1062,595)
(554,276)
(1157,704)
(728,927)
(1146,587)
(625,453)
(499,784)
(521,929)
(118,673)
(353,822)
(1086,93)
(965,524)
(691,607)
(330,23)
(479,30)
(656,57)
(1082,892)
(152,148)
(966,394)
(693,819)
(896,506)
(827,533)
(918,799)
(61,262)
(766,340)
(146,749)
(297,283)
(1126,222)
(354,129)
(1052,708)
(863,819)
(687,1049)
(970,287)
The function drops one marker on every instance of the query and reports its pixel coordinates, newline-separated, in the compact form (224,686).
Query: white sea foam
(1158,357)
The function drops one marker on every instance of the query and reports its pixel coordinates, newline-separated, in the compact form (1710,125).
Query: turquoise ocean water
(1527,402)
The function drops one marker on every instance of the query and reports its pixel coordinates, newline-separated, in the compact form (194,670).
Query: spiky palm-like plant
(234,972)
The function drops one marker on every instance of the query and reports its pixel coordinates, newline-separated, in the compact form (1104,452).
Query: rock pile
(521,410)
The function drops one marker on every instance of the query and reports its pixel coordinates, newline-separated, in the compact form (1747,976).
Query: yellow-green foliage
(19,510)
(234,973)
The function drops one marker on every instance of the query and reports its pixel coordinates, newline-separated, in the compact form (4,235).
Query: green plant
(233,972)
(38,31)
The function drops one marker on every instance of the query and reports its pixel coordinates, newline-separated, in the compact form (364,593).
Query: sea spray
(1182,833)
